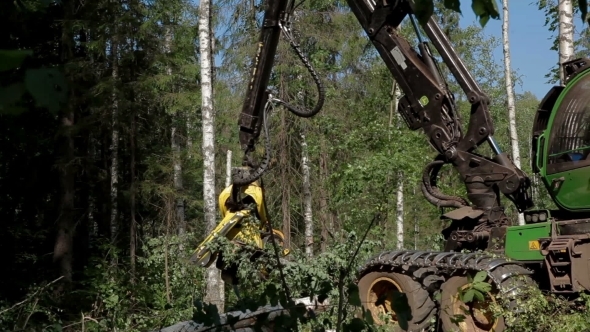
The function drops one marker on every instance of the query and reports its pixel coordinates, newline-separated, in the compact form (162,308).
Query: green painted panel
(521,241)
(574,192)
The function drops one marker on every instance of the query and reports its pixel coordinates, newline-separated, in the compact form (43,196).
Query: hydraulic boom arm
(427,104)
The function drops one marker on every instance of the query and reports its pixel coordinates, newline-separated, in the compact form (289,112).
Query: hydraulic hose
(430,189)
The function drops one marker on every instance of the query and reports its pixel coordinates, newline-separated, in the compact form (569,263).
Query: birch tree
(566,34)
(399,204)
(228,169)
(307,212)
(215,287)
(114,139)
(510,92)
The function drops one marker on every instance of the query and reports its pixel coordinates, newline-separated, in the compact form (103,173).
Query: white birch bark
(510,92)
(399,206)
(399,218)
(228,169)
(307,211)
(566,35)
(215,286)
(114,142)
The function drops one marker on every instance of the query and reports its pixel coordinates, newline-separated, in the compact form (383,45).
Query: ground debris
(246,320)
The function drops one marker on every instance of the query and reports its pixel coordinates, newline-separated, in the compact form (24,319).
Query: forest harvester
(551,251)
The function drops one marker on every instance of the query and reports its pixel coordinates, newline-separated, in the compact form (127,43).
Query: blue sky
(530,43)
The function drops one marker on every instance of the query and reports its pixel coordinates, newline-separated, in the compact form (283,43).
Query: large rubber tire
(422,307)
(475,316)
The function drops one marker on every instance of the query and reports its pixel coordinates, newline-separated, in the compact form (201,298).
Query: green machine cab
(557,242)
(561,137)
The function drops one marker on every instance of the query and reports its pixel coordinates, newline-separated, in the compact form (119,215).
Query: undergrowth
(168,290)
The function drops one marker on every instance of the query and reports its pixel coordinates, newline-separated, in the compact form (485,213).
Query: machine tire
(476,320)
(421,304)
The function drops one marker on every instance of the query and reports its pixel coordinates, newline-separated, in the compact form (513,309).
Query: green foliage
(326,277)
(483,9)
(541,312)
(46,86)
(10,59)
(478,288)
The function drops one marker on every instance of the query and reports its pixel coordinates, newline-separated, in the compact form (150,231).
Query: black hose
(436,201)
(243,176)
(430,189)
(305,113)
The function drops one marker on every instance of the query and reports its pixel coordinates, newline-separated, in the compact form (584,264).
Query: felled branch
(246,320)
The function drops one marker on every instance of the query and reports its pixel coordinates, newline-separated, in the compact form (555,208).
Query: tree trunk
(228,169)
(189,136)
(399,215)
(307,211)
(178,186)
(510,93)
(325,213)
(175,146)
(416,226)
(62,252)
(214,293)
(284,169)
(132,222)
(64,241)
(114,142)
(566,34)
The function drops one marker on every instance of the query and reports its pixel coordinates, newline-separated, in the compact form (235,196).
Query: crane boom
(427,103)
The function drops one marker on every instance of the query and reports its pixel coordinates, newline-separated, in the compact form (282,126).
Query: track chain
(431,269)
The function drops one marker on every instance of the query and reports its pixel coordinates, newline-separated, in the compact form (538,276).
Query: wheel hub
(478,316)
(380,296)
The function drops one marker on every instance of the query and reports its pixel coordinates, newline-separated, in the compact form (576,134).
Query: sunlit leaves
(477,288)
(484,9)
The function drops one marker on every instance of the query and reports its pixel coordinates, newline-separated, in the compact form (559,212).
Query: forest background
(102,158)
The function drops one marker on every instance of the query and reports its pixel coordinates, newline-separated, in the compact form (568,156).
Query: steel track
(432,269)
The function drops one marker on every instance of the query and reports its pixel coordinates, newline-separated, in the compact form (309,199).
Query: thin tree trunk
(566,34)
(114,142)
(178,185)
(63,249)
(399,215)
(214,283)
(285,197)
(132,222)
(325,213)
(510,93)
(307,211)
(416,226)
(175,145)
(166,252)
(228,169)
(92,222)
(189,137)
(64,241)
